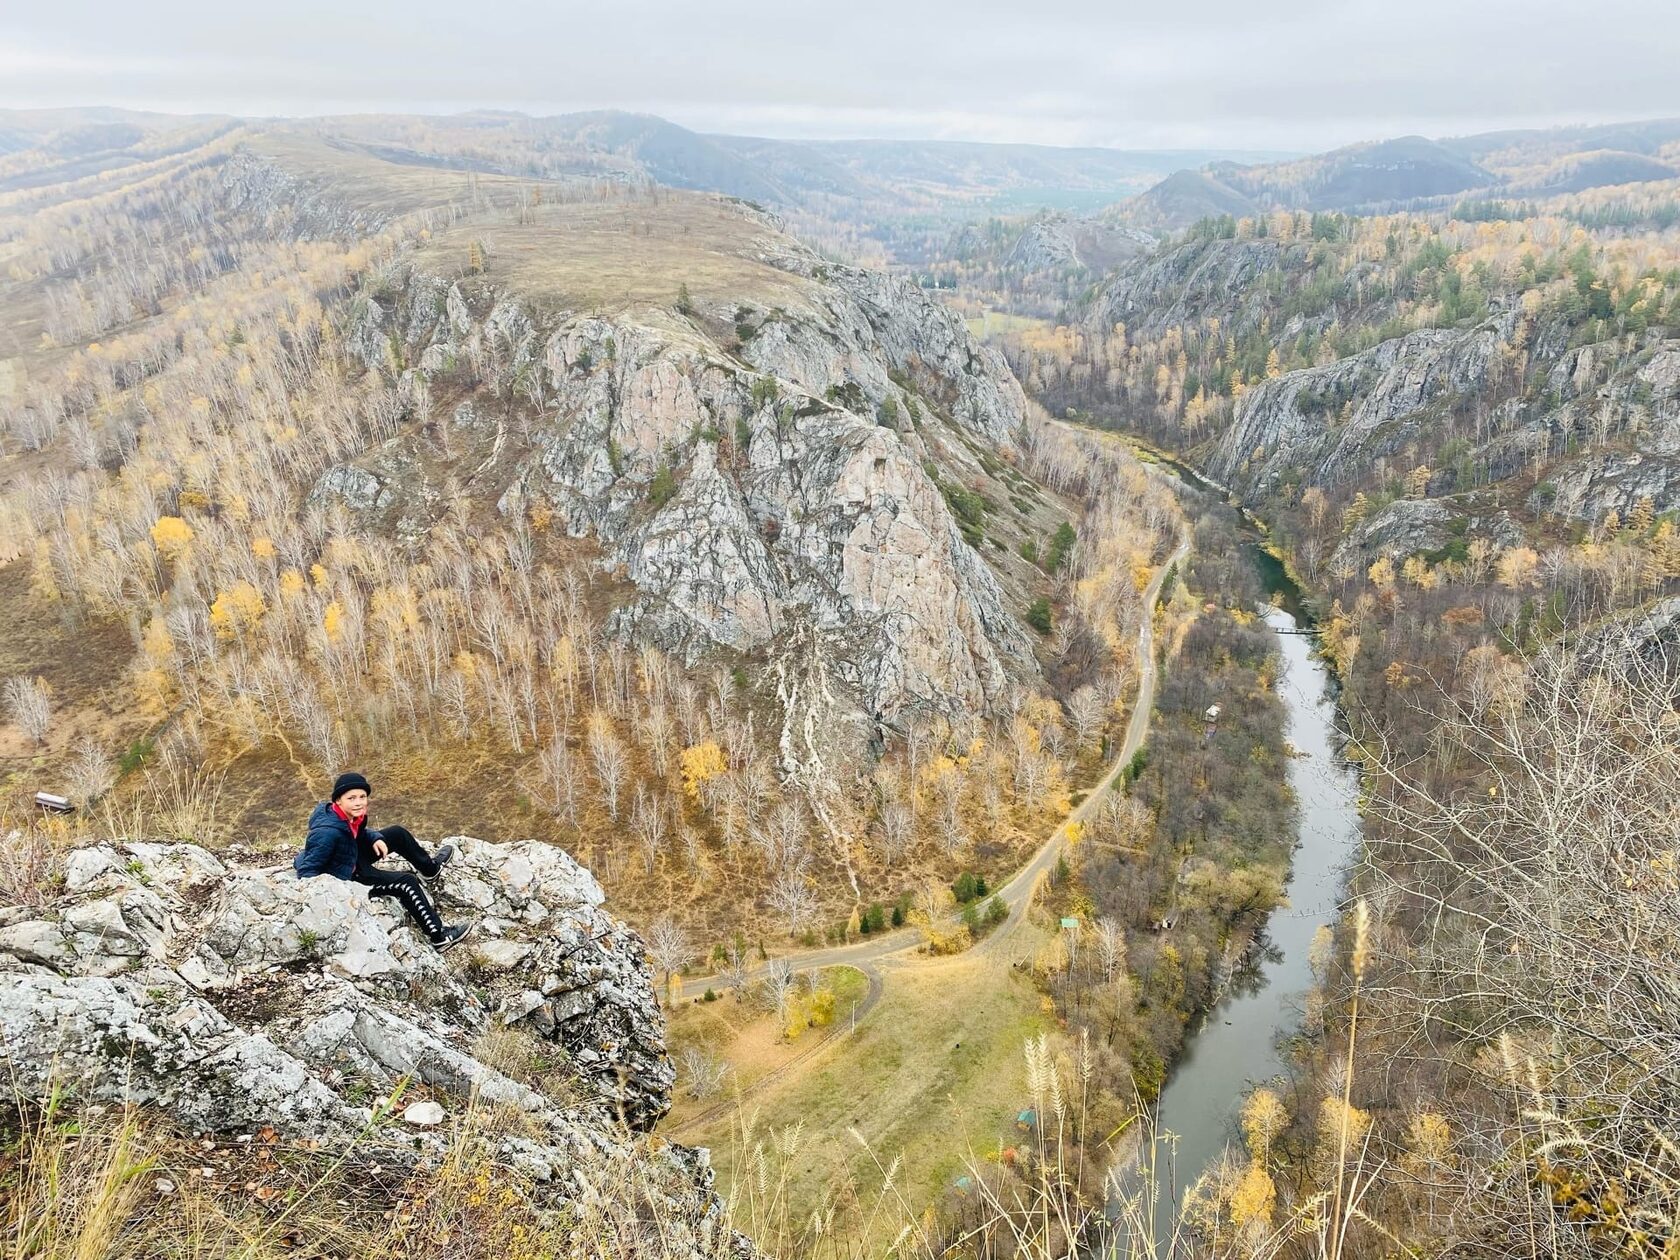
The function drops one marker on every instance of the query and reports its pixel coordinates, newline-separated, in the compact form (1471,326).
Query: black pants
(400,884)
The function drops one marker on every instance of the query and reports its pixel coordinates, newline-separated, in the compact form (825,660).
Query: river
(1242,1040)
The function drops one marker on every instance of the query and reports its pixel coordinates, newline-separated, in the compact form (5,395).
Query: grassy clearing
(1003,323)
(612,256)
(934,1071)
(539,239)
(751,1040)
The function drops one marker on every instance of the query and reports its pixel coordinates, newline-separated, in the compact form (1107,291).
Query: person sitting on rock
(342,845)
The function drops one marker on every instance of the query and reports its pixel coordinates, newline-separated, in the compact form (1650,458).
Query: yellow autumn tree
(237,610)
(1263,1118)
(1253,1199)
(157,643)
(1665,546)
(1416,570)
(170,535)
(1429,1144)
(700,763)
(1518,567)
(1341,1130)
(1356,511)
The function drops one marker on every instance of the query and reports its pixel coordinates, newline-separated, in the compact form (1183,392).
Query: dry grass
(750,1039)
(113,1184)
(990,323)
(938,1058)
(617,255)
(367,183)
(604,250)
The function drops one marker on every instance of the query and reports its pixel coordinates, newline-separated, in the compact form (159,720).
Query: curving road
(1017,893)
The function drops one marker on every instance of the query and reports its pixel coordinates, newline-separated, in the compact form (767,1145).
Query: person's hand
(380,848)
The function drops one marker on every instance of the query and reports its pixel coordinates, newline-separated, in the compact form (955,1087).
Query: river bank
(1242,1039)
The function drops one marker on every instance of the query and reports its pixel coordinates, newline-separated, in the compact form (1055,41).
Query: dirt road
(1017,893)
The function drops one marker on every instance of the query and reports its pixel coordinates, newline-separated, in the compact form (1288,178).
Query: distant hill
(1361,174)
(672,155)
(1184,197)
(784,174)
(1415,172)
(989,170)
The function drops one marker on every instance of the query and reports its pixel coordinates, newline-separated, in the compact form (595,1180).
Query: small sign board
(1070,924)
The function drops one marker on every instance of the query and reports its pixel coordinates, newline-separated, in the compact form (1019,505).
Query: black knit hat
(349,781)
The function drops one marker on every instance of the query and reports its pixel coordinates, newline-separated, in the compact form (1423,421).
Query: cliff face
(1191,281)
(228,998)
(772,481)
(1332,425)
(1579,430)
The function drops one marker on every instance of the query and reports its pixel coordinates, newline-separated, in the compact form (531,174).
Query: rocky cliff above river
(774,481)
(1521,395)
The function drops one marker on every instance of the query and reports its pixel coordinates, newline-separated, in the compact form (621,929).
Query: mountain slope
(1427,382)
(1413,172)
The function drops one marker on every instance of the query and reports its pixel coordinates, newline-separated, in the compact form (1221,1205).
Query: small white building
(1212,713)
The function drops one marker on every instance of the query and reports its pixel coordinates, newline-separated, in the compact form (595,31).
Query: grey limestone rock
(229,997)
(789,501)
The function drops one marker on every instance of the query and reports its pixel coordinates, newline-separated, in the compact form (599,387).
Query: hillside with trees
(560,488)
(1459,427)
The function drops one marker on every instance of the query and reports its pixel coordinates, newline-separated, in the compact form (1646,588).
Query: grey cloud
(1224,72)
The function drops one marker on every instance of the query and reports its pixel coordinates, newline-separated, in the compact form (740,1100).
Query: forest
(1484,1074)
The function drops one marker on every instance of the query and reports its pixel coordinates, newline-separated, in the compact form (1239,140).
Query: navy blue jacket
(331,848)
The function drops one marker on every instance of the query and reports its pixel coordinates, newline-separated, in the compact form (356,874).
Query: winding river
(1242,1040)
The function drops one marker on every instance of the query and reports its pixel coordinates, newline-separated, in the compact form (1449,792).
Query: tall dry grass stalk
(76,1183)
(1361,955)
(180,799)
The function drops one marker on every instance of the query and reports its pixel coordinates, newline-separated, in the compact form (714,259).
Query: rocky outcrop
(1334,425)
(1593,486)
(230,998)
(1648,639)
(1328,425)
(1059,243)
(1581,429)
(1181,284)
(746,486)
(1407,527)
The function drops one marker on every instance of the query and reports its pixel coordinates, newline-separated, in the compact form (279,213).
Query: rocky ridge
(1332,425)
(1059,242)
(1598,425)
(229,998)
(773,482)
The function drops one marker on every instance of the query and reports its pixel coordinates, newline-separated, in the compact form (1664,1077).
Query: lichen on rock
(229,997)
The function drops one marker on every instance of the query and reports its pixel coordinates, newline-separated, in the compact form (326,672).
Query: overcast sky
(1286,74)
